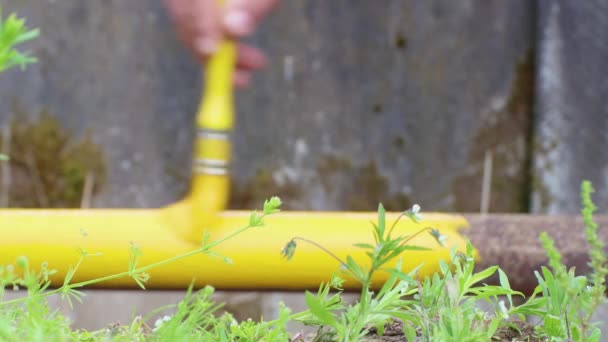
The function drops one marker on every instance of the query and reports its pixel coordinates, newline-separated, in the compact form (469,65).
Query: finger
(241,16)
(181,16)
(242,78)
(178,9)
(206,27)
(250,58)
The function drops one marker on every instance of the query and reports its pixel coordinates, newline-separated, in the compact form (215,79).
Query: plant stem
(65,287)
(409,238)
(390,231)
(110,277)
(230,236)
(322,248)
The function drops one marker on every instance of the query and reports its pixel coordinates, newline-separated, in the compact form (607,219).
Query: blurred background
(468,106)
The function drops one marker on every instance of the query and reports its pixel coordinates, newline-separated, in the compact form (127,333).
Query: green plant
(571,300)
(355,321)
(37,284)
(443,307)
(12,33)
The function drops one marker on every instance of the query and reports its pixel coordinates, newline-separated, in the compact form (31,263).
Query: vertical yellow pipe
(210,186)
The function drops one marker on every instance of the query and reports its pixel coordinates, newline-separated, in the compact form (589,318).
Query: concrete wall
(572,104)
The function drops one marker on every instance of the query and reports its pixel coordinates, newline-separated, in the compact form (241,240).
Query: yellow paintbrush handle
(215,119)
(210,186)
(216,110)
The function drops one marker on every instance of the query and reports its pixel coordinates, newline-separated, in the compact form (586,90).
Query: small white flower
(416,212)
(159,322)
(415,209)
(503,309)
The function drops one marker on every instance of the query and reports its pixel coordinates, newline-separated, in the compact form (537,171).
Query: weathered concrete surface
(572,107)
(406,96)
(361,103)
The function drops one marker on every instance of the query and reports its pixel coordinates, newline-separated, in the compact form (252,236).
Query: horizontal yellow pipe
(55,236)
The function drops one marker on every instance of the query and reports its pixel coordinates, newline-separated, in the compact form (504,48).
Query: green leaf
(410,333)
(355,269)
(317,309)
(206,238)
(375,231)
(504,282)
(3,157)
(381,221)
(12,33)
(272,205)
(396,273)
(27,36)
(595,336)
(575,332)
(255,220)
(491,291)
(414,248)
(364,245)
(219,256)
(336,281)
(481,276)
(553,326)
(380,328)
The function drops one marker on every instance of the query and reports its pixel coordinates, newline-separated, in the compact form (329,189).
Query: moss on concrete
(49,165)
(508,136)
(331,166)
(260,187)
(538,186)
(367,187)
(370,187)
(353,187)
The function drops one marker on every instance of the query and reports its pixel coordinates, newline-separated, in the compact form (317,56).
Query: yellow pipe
(55,236)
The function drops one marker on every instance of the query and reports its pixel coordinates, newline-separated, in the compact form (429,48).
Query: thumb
(242,16)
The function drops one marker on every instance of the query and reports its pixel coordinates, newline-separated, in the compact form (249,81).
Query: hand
(202,24)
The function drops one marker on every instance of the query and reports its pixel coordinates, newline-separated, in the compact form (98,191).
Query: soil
(394,333)
(510,334)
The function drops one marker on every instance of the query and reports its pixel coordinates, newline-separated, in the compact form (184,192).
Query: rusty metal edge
(512,242)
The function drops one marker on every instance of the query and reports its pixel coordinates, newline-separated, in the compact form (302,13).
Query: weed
(12,33)
(571,300)
(438,308)
(29,317)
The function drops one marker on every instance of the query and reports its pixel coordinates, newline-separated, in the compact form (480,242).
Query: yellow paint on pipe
(55,236)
